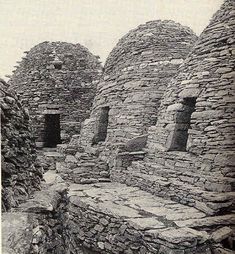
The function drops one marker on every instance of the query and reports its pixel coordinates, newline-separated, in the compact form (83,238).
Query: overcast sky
(96,24)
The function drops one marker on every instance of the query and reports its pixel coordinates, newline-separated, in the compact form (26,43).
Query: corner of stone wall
(40,225)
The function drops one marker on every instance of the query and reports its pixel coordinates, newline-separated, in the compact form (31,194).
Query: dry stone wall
(82,167)
(109,234)
(180,171)
(58,79)
(42,224)
(20,175)
(135,76)
(200,171)
(39,225)
(115,218)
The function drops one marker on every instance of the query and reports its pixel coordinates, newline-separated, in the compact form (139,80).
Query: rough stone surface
(82,167)
(46,89)
(17,233)
(20,176)
(38,225)
(135,77)
(202,174)
(42,223)
(115,218)
(172,189)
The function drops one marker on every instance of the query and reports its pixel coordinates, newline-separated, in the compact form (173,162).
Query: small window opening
(52,130)
(57,63)
(180,135)
(58,66)
(102,126)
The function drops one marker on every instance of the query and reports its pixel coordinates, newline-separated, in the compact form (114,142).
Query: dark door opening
(101,132)
(183,118)
(52,130)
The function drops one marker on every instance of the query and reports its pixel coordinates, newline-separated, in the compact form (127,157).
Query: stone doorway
(179,137)
(102,126)
(52,130)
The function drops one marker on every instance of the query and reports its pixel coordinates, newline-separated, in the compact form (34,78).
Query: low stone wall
(108,234)
(111,219)
(117,225)
(81,166)
(171,184)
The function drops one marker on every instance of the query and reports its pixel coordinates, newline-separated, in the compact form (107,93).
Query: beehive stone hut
(20,177)
(56,82)
(135,77)
(190,151)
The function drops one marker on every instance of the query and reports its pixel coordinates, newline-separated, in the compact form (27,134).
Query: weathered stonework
(42,224)
(38,225)
(172,189)
(20,176)
(115,218)
(188,161)
(57,82)
(199,172)
(135,76)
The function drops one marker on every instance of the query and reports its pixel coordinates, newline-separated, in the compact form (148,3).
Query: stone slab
(17,232)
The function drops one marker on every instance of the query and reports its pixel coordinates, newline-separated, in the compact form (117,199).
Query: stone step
(90,174)
(173,188)
(49,149)
(116,217)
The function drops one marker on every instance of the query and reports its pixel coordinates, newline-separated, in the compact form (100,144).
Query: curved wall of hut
(135,77)
(56,81)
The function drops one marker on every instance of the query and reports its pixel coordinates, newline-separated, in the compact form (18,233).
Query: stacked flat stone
(203,175)
(81,166)
(135,77)
(20,177)
(57,77)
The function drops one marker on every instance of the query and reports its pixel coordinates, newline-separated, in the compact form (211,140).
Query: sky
(96,24)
